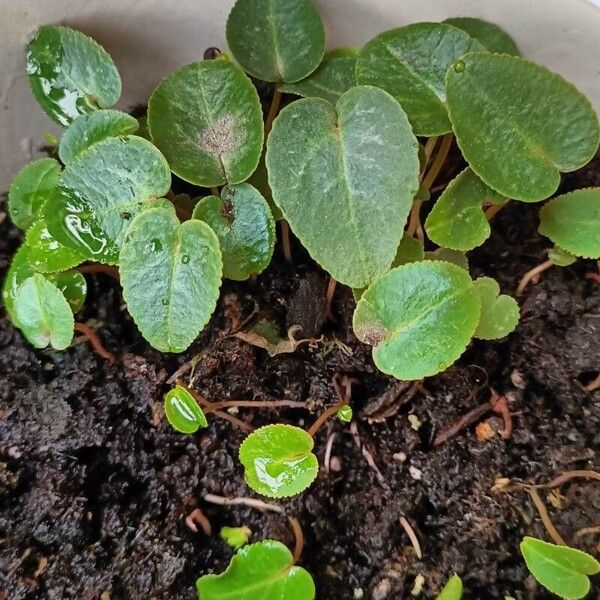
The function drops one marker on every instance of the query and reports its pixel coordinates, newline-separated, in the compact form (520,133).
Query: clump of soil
(95,485)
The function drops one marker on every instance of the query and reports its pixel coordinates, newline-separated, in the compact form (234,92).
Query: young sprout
(562,570)
(236,537)
(453,590)
(182,411)
(344,413)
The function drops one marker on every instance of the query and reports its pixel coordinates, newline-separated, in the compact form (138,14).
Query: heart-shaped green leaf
(411,64)
(46,254)
(561,258)
(276,40)
(278,460)
(42,313)
(31,187)
(519,125)
(334,77)
(263,570)
(419,318)
(72,285)
(492,37)
(89,129)
(70,74)
(409,250)
(101,190)
(562,570)
(499,312)
(453,590)
(572,221)
(207,120)
(245,227)
(182,411)
(344,178)
(457,220)
(170,273)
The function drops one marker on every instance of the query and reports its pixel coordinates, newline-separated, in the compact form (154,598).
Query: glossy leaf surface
(182,411)
(46,254)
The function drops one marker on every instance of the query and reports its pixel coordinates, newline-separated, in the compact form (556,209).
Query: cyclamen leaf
(207,120)
(491,36)
(409,250)
(246,230)
(562,570)
(101,190)
(43,314)
(276,40)
(411,64)
(72,285)
(170,273)
(419,318)
(572,221)
(182,411)
(344,178)
(457,220)
(31,187)
(453,590)
(46,254)
(89,129)
(263,570)
(519,125)
(70,74)
(499,312)
(278,460)
(334,77)
(561,258)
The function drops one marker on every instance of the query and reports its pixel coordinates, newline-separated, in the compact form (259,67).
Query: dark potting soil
(95,485)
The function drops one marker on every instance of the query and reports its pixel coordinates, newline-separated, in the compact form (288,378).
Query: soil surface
(95,486)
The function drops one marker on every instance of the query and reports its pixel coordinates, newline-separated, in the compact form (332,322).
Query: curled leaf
(182,411)
(266,335)
(561,258)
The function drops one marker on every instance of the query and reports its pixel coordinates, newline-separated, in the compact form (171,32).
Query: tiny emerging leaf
(499,312)
(278,460)
(453,590)
(182,411)
(236,537)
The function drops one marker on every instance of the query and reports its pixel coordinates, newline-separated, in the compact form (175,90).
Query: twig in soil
(298,537)
(499,405)
(468,419)
(103,269)
(251,502)
(593,385)
(493,210)
(257,404)
(328,412)
(568,475)
(331,284)
(412,536)
(285,241)
(328,449)
(595,529)
(541,508)
(90,335)
(594,276)
(532,276)
(367,455)
(197,517)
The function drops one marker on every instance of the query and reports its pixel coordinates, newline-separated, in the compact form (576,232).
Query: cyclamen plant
(348,166)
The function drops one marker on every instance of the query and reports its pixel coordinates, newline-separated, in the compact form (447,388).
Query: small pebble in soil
(415,473)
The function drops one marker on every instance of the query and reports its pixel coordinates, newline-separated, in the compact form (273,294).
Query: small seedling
(236,537)
(258,571)
(344,413)
(453,590)
(182,411)
(562,570)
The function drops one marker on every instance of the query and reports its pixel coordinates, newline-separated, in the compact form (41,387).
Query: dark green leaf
(101,191)
(70,74)
(519,125)
(243,223)
(491,36)
(170,273)
(499,312)
(344,178)
(276,40)
(264,571)
(73,286)
(207,120)
(31,187)
(409,250)
(411,64)
(182,411)
(89,129)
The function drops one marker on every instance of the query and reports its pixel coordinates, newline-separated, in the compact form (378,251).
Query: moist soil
(95,486)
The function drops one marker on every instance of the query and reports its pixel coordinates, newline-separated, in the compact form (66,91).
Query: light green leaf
(499,312)
(491,36)
(236,537)
(70,74)
(334,77)
(245,227)
(182,411)
(276,40)
(409,250)
(207,120)
(278,460)
(562,570)
(573,222)
(519,125)
(46,254)
(31,187)
(43,314)
(457,220)
(419,318)
(263,570)
(448,255)
(561,258)
(89,129)
(101,191)
(344,178)
(453,590)
(411,64)
(345,413)
(170,273)
(73,286)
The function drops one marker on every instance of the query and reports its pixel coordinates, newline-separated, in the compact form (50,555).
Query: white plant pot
(150,38)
